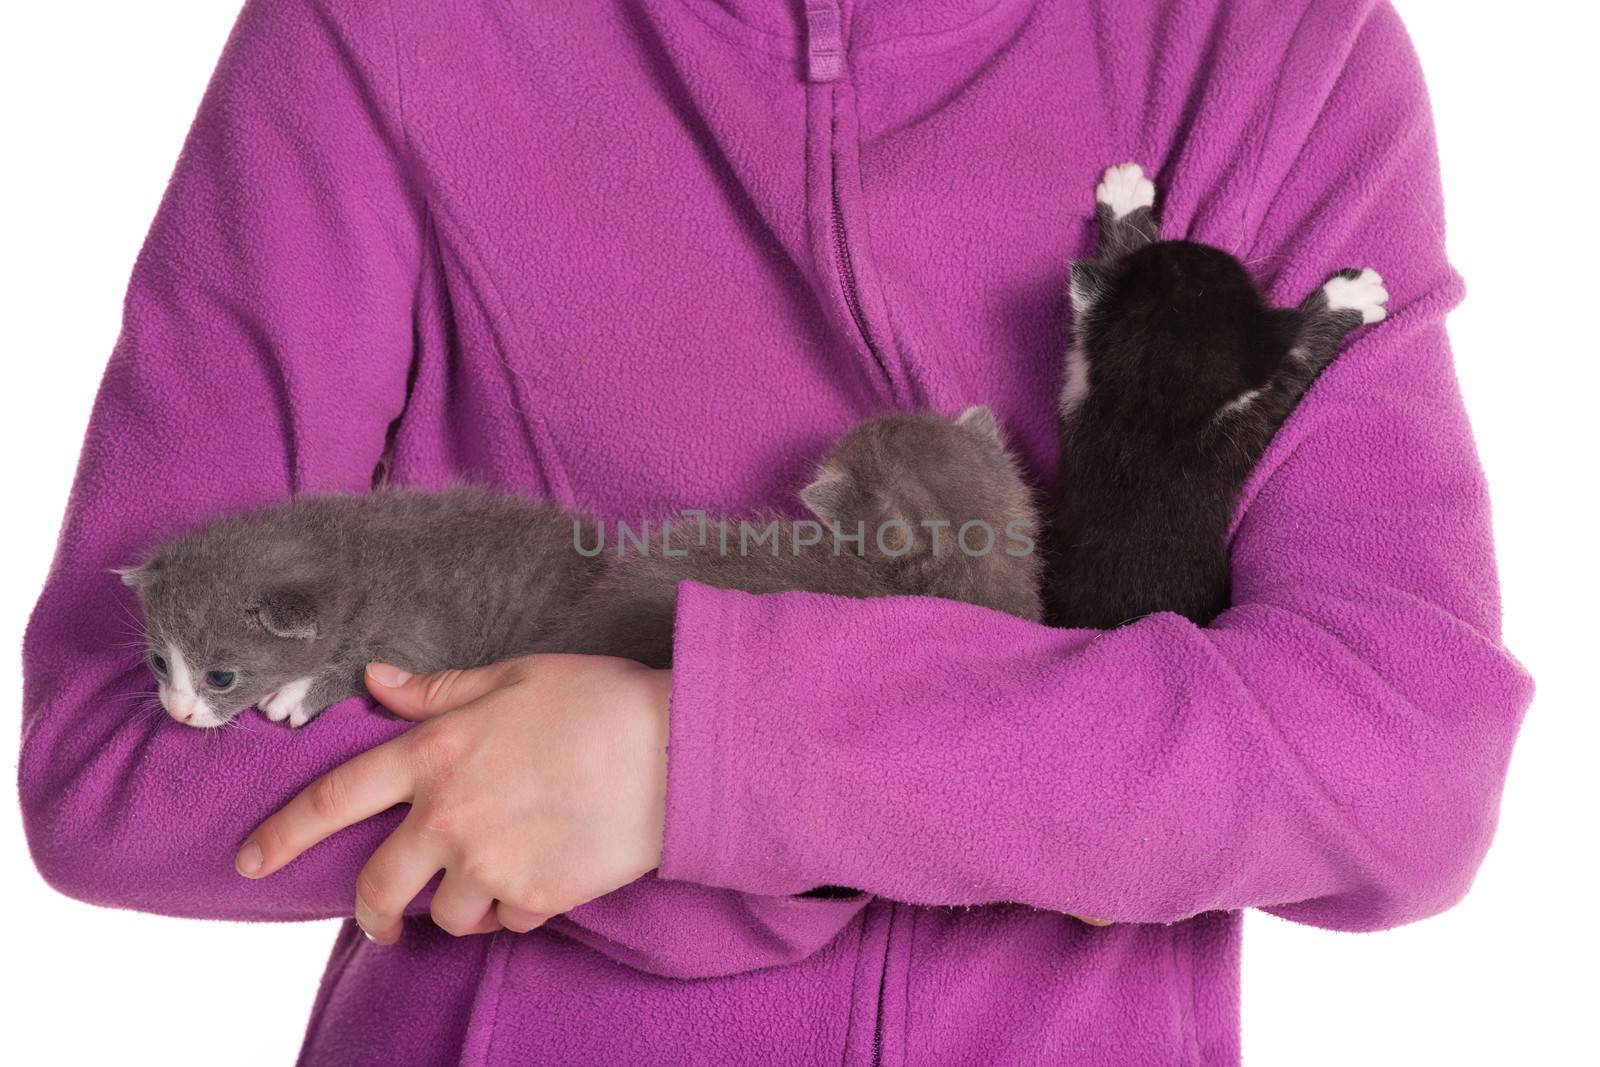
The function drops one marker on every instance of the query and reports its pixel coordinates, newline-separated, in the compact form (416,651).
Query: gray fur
(898,472)
(320,586)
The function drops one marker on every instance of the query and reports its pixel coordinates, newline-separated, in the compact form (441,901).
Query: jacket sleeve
(1332,748)
(266,344)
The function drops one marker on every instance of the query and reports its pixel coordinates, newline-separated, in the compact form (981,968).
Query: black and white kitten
(283,608)
(1178,375)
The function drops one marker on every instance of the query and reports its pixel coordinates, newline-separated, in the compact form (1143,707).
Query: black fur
(1189,374)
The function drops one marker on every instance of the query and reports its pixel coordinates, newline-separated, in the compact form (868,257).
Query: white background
(97,96)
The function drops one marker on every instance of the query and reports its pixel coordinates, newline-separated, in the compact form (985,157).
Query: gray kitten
(905,505)
(283,608)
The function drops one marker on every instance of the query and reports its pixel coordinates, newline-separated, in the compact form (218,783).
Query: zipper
(846,269)
(883,988)
(877,1032)
(825,63)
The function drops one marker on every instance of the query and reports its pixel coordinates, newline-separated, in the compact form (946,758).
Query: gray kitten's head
(957,519)
(231,614)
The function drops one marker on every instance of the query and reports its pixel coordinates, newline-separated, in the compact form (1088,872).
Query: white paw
(288,703)
(1364,293)
(1124,188)
(274,706)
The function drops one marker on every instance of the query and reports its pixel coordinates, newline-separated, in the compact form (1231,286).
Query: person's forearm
(1333,746)
(265,351)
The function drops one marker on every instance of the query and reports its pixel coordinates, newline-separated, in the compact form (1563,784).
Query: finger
(460,906)
(489,924)
(1094,922)
(423,696)
(392,878)
(358,789)
(519,920)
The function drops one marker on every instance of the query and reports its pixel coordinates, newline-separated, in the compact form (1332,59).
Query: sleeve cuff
(692,846)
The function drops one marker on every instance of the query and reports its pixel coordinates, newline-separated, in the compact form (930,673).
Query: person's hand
(543,788)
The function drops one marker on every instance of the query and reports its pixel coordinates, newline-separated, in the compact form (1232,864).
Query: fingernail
(388,675)
(366,920)
(248,861)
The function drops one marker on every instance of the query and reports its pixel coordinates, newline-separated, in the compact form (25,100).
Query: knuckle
(437,747)
(328,796)
(519,920)
(273,841)
(524,667)
(453,925)
(481,872)
(440,685)
(371,893)
(533,902)
(441,822)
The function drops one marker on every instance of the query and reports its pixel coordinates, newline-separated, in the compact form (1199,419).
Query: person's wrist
(656,700)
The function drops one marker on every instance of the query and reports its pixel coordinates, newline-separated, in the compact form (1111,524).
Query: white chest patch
(1075,382)
(1239,403)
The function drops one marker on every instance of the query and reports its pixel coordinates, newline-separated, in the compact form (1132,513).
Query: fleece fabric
(661,253)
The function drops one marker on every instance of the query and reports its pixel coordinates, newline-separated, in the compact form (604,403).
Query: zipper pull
(824,40)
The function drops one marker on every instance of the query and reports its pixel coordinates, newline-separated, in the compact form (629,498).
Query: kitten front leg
(1125,209)
(288,703)
(300,701)
(1349,299)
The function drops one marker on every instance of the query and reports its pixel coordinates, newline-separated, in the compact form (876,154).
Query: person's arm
(1332,748)
(265,345)
(267,340)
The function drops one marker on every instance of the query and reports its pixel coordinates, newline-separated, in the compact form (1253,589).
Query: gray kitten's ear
(826,496)
(287,613)
(140,576)
(1088,282)
(981,420)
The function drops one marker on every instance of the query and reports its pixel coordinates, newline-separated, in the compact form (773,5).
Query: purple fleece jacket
(650,254)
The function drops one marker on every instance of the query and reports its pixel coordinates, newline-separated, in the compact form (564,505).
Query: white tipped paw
(288,704)
(1124,189)
(1364,293)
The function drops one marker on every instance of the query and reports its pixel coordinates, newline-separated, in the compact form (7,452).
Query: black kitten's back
(1178,376)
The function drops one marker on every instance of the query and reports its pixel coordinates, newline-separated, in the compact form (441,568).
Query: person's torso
(675,253)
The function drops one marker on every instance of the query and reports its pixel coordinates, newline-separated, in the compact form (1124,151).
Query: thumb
(426,696)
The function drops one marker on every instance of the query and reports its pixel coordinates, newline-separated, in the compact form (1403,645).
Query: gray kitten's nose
(183,707)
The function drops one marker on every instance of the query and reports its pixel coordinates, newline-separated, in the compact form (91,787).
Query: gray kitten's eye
(158,663)
(221,681)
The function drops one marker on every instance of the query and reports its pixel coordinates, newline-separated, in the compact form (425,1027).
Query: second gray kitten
(283,608)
